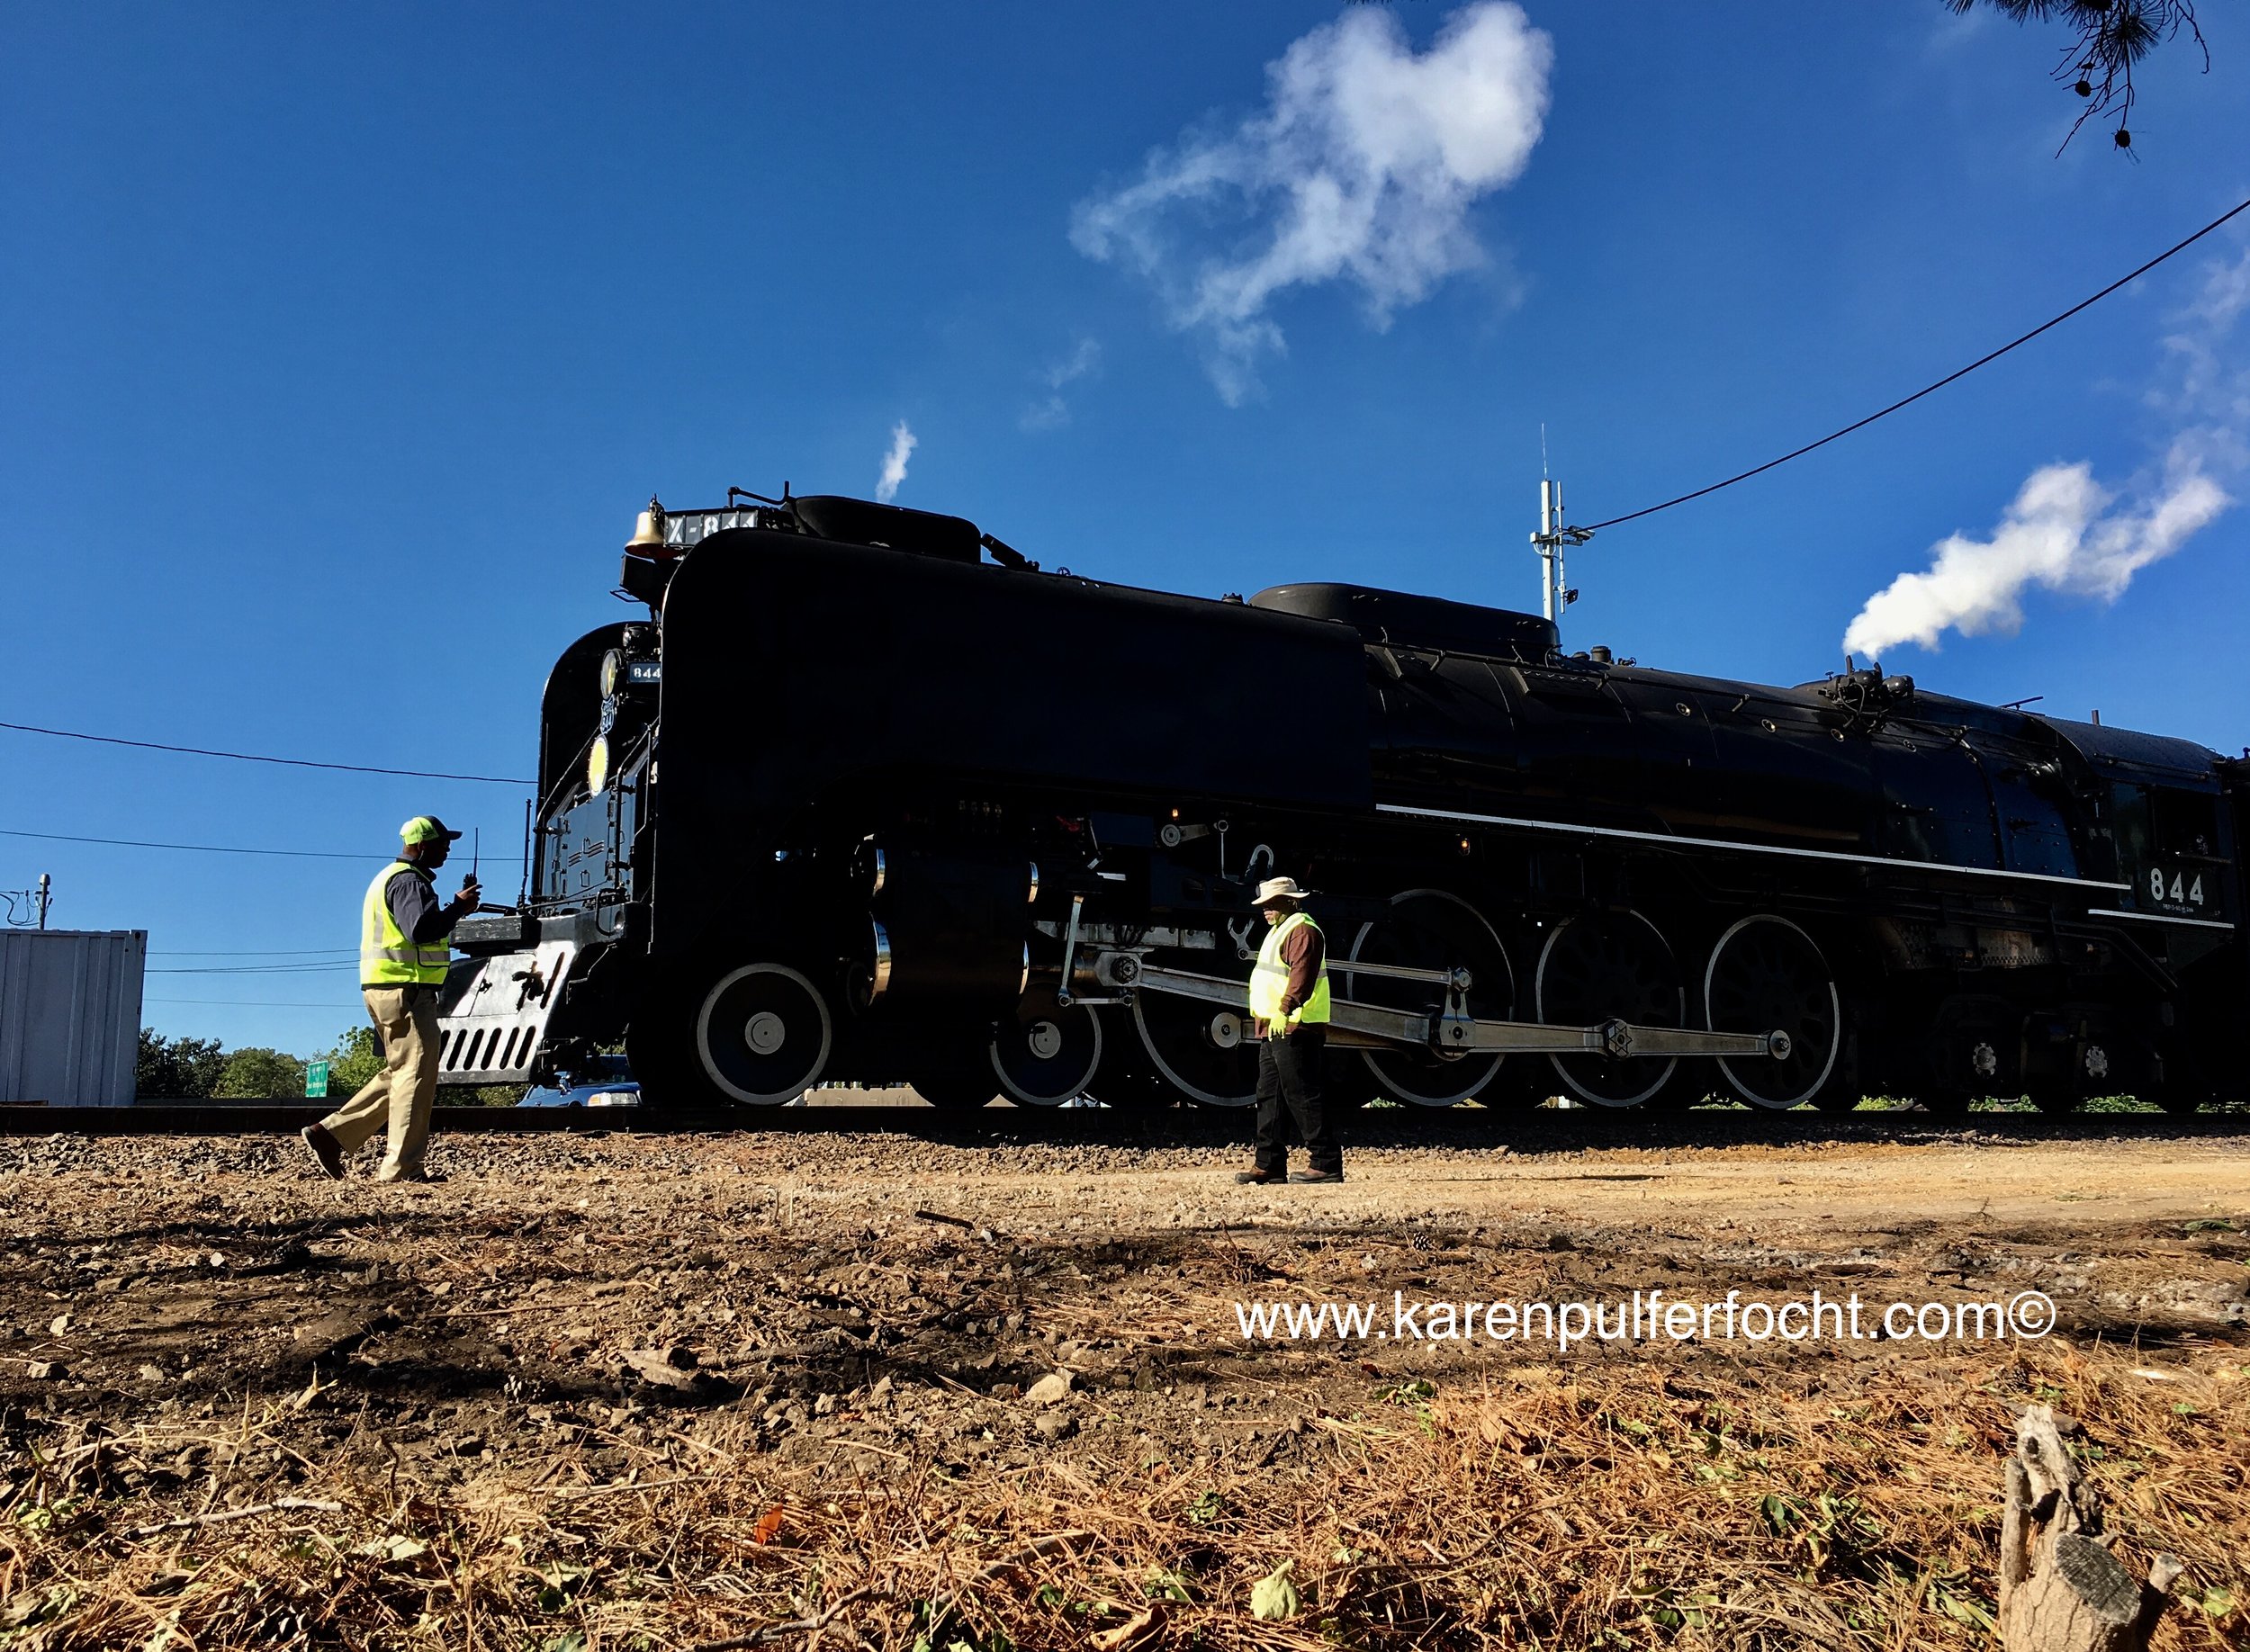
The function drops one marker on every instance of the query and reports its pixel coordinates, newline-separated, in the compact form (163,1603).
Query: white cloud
(1361,168)
(903,443)
(2065,532)
(1052,411)
(2211,389)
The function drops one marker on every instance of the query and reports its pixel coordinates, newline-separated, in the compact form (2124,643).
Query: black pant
(1290,1070)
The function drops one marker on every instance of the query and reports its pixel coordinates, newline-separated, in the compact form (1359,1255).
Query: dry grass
(1601,1505)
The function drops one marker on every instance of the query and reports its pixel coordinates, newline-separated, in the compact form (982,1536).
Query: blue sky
(337,349)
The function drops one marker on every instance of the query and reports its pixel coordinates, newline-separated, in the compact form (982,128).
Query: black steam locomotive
(872,796)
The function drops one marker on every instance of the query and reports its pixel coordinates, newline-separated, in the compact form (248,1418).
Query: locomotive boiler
(871,795)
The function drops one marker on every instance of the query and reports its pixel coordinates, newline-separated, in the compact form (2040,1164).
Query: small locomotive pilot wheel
(762,1034)
(1047,1052)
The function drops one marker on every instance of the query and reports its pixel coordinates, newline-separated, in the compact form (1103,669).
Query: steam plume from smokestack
(903,443)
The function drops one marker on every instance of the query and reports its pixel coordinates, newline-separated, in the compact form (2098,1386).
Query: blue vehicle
(606,1081)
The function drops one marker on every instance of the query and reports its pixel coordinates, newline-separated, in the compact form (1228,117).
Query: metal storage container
(70,1015)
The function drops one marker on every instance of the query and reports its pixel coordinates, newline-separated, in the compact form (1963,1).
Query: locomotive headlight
(612,671)
(598,764)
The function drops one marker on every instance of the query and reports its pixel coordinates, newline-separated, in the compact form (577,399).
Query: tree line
(186,1069)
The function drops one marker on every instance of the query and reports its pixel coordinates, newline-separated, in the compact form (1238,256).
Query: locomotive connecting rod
(1372,1025)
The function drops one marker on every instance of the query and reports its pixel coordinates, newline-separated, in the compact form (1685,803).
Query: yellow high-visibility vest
(388,956)
(1270,980)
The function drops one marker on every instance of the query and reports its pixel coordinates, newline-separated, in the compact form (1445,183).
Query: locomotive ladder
(1450,1031)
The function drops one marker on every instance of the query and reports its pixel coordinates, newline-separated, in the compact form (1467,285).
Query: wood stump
(2061,1589)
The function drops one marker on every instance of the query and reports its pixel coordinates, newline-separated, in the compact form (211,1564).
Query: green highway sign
(316,1081)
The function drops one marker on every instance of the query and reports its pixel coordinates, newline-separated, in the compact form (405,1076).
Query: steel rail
(1535,1129)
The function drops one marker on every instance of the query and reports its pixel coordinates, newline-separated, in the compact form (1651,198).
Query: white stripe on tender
(1672,841)
(2193,923)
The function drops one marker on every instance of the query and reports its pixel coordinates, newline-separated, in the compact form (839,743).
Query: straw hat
(1279,889)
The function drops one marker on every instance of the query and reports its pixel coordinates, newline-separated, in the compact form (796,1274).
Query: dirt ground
(929,1389)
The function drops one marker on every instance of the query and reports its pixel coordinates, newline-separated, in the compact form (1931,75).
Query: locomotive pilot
(1289,999)
(405,946)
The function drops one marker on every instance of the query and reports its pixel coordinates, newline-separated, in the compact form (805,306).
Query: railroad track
(1540,1130)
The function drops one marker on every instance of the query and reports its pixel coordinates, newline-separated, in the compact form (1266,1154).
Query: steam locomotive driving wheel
(1430,929)
(762,1034)
(1611,966)
(1766,975)
(1047,1052)
(1201,1050)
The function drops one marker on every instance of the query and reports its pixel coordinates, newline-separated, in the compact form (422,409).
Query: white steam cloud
(2059,534)
(1362,167)
(1052,411)
(903,443)
(2064,532)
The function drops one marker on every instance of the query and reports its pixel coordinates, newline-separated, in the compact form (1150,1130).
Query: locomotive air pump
(1449,1030)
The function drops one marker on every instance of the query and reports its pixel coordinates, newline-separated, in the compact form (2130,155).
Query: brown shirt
(1302,949)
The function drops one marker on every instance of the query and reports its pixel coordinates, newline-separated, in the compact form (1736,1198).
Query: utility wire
(220,849)
(248,1003)
(299,952)
(256,969)
(1927,389)
(252,757)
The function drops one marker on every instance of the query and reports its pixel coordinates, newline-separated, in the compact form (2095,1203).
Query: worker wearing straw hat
(405,948)
(1289,999)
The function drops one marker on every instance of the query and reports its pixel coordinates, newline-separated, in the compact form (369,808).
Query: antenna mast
(1555,592)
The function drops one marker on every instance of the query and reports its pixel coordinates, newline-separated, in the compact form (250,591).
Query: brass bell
(648,530)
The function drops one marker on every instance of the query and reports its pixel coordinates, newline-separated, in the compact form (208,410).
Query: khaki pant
(406,1019)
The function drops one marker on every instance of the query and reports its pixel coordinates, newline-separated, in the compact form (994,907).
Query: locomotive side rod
(1373,1024)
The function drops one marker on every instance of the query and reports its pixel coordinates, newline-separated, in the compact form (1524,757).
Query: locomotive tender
(860,801)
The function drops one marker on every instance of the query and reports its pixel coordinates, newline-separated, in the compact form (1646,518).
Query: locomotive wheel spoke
(1611,966)
(763,1034)
(1766,975)
(1047,1052)
(1428,928)
(1200,1050)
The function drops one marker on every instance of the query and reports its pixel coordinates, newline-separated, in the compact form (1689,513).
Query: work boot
(1259,1178)
(326,1150)
(1311,1175)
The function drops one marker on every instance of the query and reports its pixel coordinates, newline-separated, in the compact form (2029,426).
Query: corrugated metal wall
(70,1015)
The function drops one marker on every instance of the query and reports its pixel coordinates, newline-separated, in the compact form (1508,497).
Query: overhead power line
(1981,361)
(254,969)
(252,757)
(221,848)
(268,952)
(337,1008)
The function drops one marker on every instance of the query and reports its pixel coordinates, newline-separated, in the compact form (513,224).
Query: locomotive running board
(493,1012)
(1374,1027)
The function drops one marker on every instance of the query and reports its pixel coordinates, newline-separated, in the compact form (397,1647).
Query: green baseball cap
(426,828)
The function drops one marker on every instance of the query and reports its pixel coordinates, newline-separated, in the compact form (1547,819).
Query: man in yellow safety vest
(1289,999)
(405,946)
